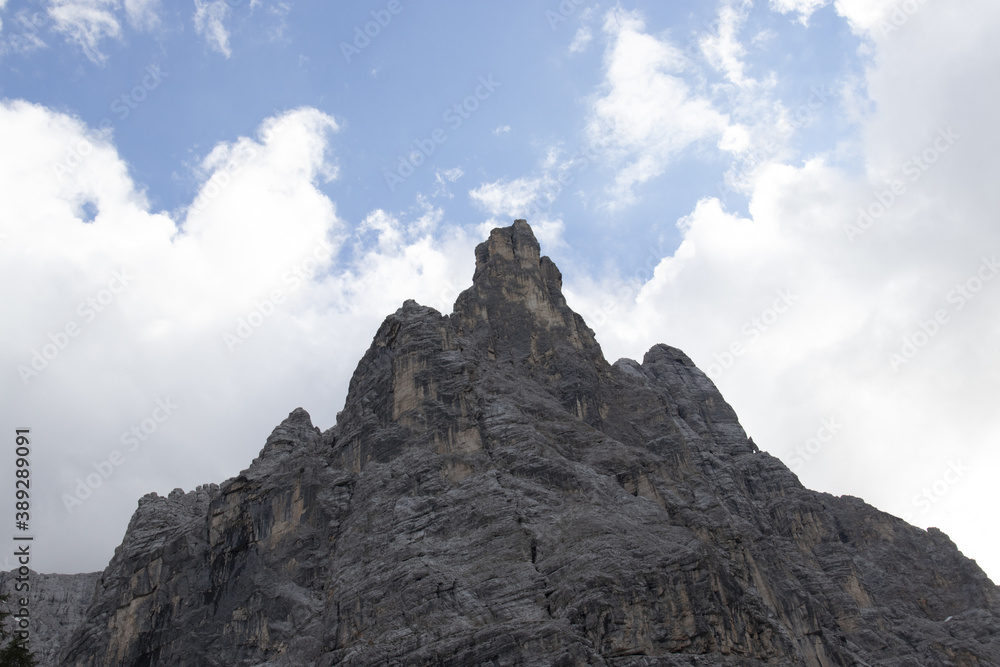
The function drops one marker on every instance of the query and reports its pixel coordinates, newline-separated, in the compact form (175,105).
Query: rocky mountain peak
(515,309)
(516,243)
(494,492)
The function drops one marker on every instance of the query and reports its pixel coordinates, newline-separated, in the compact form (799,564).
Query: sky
(207,208)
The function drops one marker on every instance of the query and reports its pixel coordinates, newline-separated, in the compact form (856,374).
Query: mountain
(494,492)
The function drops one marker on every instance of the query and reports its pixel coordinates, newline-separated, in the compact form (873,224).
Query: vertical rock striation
(495,492)
(57,604)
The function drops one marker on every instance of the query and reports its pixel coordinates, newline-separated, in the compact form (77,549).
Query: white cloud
(89,23)
(278,18)
(510,198)
(393,235)
(142,14)
(736,139)
(763,37)
(722,49)
(581,40)
(804,8)
(527,198)
(450,175)
(442,177)
(646,113)
(760,126)
(532,197)
(21,34)
(86,23)
(865,16)
(209,21)
(548,231)
(387,228)
(503,129)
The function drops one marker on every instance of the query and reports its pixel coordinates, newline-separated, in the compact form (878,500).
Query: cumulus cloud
(646,113)
(654,105)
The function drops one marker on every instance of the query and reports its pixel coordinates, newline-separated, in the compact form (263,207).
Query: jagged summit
(494,492)
(516,244)
(510,267)
(515,304)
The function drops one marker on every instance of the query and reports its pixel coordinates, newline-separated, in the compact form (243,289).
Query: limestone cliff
(58,605)
(495,492)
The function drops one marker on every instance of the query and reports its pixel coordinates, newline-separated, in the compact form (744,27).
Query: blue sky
(791,191)
(170,94)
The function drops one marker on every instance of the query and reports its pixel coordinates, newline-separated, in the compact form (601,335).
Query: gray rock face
(495,492)
(57,604)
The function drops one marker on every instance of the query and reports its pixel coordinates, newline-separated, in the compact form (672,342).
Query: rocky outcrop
(495,492)
(56,603)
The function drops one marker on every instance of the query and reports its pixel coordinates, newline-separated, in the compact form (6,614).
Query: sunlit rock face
(496,493)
